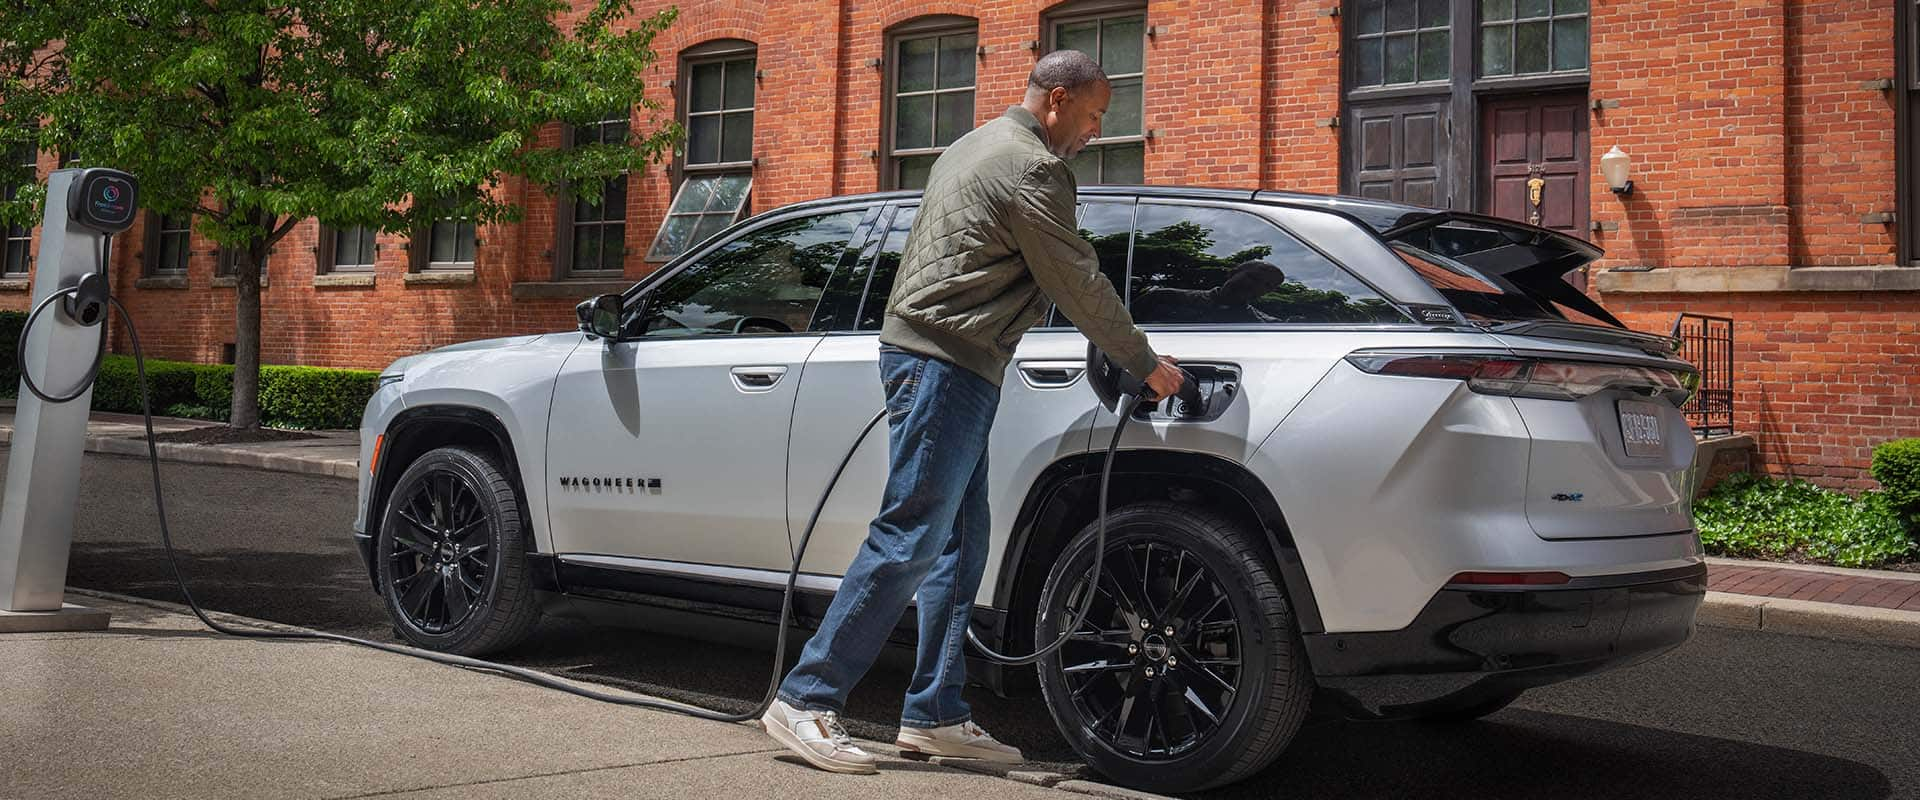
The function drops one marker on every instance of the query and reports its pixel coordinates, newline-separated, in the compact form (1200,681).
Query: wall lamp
(1614,167)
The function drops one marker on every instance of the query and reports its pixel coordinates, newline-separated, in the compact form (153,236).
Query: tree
(256,115)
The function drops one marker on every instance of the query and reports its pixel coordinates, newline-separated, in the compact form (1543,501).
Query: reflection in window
(706,205)
(1529,37)
(1119,43)
(1109,228)
(885,265)
(932,103)
(768,281)
(1195,265)
(1399,41)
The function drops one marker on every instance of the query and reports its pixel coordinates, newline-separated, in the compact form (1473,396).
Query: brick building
(1772,145)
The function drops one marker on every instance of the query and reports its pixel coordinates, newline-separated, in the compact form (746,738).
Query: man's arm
(1068,270)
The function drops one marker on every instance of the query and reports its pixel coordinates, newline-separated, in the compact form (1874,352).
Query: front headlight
(388,379)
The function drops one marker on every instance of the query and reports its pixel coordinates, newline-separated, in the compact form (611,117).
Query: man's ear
(1057,97)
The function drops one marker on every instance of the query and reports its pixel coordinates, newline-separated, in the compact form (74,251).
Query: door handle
(757,379)
(1051,374)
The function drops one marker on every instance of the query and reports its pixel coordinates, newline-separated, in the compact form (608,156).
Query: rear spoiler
(1531,257)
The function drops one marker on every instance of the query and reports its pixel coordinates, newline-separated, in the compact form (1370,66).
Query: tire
(457,582)
(1470,711)
(1197,735)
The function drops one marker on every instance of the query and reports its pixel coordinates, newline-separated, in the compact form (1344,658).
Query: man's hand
(1165,380)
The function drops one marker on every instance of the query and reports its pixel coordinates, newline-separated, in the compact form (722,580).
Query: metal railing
(1707,342)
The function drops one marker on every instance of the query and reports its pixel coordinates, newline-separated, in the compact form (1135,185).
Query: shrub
(213,385)
(1896,465)
(1761,517)
(118,386)
(314,397)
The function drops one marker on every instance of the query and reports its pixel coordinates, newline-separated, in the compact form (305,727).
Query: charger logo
(615,482)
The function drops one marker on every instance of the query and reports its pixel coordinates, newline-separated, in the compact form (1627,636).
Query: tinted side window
(1108,227)
(766,281)
(885,264)
(1196,265)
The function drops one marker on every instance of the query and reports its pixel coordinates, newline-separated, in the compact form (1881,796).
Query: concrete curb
(344,468)
(1884,626)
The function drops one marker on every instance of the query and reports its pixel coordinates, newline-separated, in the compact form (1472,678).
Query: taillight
(1545,379)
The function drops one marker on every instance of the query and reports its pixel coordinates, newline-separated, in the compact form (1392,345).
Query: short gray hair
(1065,69)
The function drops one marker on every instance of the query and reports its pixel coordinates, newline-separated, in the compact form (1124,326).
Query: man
(1231,301)
(994,241)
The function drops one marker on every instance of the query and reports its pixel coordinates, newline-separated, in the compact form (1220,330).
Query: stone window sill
(450,277)
(343,280)
(14,284)
(161,282)
(1704,280)
(229,282)
(568,290)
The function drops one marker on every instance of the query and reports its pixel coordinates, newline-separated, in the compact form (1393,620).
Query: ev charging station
(61,354)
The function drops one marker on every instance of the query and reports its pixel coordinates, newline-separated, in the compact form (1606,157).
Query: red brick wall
(1840,135)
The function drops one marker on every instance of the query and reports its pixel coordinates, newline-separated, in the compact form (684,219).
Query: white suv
(1444,476)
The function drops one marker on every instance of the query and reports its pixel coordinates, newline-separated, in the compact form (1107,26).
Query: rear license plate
(1640,429)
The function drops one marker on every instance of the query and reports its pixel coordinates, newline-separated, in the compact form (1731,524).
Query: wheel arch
(420,429)
(1062,500)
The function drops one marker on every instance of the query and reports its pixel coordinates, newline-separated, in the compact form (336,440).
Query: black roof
(1380,215)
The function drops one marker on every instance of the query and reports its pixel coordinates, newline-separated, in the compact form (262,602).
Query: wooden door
(1397,151)
(1534,162)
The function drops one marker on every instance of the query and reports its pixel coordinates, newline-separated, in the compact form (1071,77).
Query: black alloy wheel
(451,553)
(1187,671)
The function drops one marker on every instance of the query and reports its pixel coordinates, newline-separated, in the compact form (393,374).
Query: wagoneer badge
(608,482)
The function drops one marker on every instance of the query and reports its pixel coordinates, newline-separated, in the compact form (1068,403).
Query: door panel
(1540,137)
(1397,151)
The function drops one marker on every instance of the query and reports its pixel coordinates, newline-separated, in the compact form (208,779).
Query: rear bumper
(1472,643)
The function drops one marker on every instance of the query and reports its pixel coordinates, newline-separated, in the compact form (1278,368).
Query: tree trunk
(246,331)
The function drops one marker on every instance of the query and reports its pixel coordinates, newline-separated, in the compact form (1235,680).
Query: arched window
(716,89)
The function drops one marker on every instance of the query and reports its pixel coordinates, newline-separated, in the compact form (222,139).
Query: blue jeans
(930,537)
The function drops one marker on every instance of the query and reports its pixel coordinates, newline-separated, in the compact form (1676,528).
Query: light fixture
(1613,166)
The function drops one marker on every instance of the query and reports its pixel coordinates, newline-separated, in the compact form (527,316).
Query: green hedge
(290,397)
(1896,465)
(10,324)
(1748,516)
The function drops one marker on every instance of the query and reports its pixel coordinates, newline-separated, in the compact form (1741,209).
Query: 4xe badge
(1569,497)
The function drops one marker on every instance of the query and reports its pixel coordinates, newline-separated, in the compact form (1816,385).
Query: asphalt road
(1729,715)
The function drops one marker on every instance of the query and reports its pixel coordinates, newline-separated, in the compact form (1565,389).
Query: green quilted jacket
(994,241)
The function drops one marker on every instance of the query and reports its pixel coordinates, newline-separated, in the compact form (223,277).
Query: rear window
(1493,275)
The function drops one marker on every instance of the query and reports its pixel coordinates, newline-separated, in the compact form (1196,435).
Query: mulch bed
(222,434)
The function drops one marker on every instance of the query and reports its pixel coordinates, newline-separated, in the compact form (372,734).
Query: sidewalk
(158,706)
(331,453)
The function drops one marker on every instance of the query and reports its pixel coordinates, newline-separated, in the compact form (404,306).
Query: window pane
(1531,8)
(1434,55)
(586,247)
(1369,16)
(1205,265)
(16,257)
(955,117)
(463,250)
(444,248)
(1495,10)
(1081,36)
(1400,64)
(1366,63)
(1124,164)
(707,84)
(1496,50)
(1433,13)
(1530,47)
(914,171)
(1086,166)
(917,63)
(1569,6)
(613,199)
(1123,112)
(957,60)
(762,282)
(736,137)
(366,247)
(885,264)
(703,139)
(1108,227)
(913,123)
(346,247)
(584,211)
(729,193)
(1400,15)
(1570,44)
(695,194)
(739,93)
(1122,45)
(675,235)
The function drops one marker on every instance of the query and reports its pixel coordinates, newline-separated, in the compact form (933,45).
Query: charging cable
(1129,402)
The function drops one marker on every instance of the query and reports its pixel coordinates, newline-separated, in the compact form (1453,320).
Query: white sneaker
(817,737)
(965,740)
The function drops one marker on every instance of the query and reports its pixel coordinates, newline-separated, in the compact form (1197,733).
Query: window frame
(1478,36)
(1350,35)
(420,246)
(715,51)
(928,27)
(326,254)
(1098,11)
(638,297)
(566,223)
(30,160)
(154,240)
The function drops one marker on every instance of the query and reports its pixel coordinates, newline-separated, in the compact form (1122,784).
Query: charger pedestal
(49,439)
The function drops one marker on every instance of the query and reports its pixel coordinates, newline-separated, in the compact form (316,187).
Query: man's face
(1073,118)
